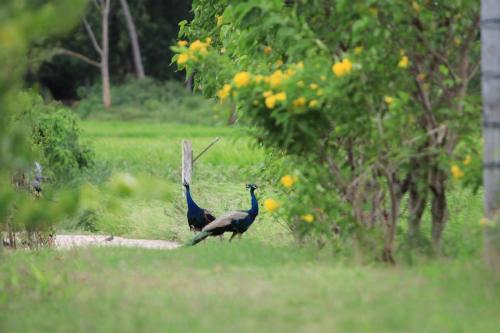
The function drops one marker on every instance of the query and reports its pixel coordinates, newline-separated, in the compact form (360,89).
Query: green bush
(55,136)
(148,100)
(332,85)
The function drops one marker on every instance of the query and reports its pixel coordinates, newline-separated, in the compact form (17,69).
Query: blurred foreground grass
(245,286)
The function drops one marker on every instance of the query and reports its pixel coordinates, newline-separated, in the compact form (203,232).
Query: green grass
(264,283)
(154,150)
(242,287)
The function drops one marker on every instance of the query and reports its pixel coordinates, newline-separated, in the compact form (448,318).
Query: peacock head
(251,187)
(186,184)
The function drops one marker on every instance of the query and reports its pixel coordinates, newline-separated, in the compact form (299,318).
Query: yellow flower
(271,205)
(182,58)
(280,96)
(290,72)
(388,100)
(322,78)
(299,102)
(342,68)
(270,101)
(219,20)
(467,160)
(267,50)
(279,63)
(309,218)
(404,62)
(287,181)
(198,46)
(182,43)
(358,50)
(258,78)
(300,83)
(313,103)
(300,64)
(267,93)
(456,172)
(484,222)
(313,86)
(415,6)
(208,40)
(276,78)
(224,92)
(242,79)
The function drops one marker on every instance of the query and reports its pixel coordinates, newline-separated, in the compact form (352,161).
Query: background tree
(134,40)
(102,49)
(335,85)
(156,22)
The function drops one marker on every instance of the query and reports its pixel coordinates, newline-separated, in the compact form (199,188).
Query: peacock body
(236,222)
(197,217)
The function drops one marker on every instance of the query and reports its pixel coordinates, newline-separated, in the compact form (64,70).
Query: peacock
(197,217)
(236,222)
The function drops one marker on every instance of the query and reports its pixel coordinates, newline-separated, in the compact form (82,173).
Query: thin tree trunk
(490,62)
(395,193)
(106,93)
(136,50)
(439,208)
(416,203)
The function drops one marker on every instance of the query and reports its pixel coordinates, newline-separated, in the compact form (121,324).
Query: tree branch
(92,36)
(63,51)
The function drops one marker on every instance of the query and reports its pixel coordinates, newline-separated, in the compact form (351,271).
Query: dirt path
(70,241)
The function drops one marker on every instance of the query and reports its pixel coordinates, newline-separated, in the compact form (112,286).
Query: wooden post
(490,67)
(187,161)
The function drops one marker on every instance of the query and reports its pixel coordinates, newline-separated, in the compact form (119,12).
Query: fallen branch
(207,148)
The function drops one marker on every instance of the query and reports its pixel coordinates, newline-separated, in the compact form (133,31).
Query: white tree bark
(490,62)
(134,40)
(106,92)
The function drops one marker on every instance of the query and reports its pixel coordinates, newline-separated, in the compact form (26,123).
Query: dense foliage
(370,112)
(148,99)
(23,23)
(55,137)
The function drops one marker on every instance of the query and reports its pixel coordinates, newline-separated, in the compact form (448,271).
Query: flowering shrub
(370,101)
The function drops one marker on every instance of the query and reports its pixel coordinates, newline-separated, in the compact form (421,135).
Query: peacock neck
(255,205)
(190,201)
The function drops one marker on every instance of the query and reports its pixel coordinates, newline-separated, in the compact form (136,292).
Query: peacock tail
(198,238)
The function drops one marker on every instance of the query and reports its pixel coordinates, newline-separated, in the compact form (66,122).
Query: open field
(263,283)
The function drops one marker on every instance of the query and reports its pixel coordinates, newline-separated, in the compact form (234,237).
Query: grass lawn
(265,283)
(242,287)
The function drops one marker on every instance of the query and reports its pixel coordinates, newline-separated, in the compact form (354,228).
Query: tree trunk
(396,193)
(439,208)
(106,93)
(490,62)
(416,203)
(136,50)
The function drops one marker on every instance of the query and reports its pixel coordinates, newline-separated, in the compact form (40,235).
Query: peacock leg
(221,237)
(232,236)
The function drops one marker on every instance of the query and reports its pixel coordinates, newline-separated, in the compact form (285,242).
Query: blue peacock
(197,217)
(236,222)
